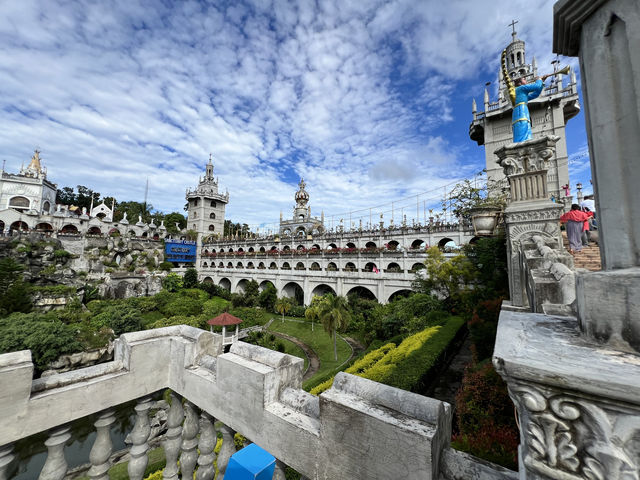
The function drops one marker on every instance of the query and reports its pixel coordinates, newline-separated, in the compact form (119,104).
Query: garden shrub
(165,266)
(183,305)
(483,327)
(250,316)
(61,254)
(485,417)
(172,282)
(296,311)
(214,307)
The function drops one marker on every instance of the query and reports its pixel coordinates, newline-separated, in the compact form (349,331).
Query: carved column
(173,437)
(227,449)
(206,445)
(139,437)
(6,457)
(529,211)
(189,456)
(102,447)
(55,467)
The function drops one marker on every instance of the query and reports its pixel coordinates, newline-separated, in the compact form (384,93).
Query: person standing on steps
(574,220)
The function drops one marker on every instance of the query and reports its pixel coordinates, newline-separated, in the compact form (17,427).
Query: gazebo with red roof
(223,320)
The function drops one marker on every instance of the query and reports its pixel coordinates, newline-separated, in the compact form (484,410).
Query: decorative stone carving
(173,437)
(139,436)
(55,467)
(227,449)
(189,456)
(568,437)
(102,447)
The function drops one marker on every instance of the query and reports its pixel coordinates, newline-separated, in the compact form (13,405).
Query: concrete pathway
(312,356)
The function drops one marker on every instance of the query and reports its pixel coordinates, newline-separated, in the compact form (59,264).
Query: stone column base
(578,404)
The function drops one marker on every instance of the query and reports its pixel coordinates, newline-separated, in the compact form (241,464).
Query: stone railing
(358,429)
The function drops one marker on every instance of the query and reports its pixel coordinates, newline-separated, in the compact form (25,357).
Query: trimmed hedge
(408,365)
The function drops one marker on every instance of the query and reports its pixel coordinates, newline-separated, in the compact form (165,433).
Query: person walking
(574,220)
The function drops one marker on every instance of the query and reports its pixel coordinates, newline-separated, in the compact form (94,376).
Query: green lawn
(293,349)
(319,340)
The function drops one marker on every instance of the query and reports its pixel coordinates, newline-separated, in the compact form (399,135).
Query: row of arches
(295,290)
(391,267)
(70,229)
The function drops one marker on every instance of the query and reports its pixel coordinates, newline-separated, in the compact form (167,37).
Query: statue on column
(520,94)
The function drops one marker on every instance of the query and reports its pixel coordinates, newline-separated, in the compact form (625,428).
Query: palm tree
(334,314)
(283,305)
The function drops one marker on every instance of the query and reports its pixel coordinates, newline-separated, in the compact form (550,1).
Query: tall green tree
(283,305)
(15,293)
(190,279)
(334,313)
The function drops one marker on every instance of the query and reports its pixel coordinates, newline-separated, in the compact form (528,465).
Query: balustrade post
(102,447)
(6,457)
(139,437)
(189,456)
(280,471)
(206,445)
(227,449)
(55,467)
(173,437)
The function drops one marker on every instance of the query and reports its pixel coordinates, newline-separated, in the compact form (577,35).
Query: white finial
(573,77)
(486,96)
(534,63)
(474,107)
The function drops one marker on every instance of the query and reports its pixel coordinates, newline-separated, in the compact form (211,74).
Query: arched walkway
(225,283)
(207,280)
(264,284)
(293,290)
(362,292)
(322,289)
(399,294)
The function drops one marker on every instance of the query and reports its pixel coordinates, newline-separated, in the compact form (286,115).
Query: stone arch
(262,250)
(300,247)
(261,266)
(403,292)
(474,240)
(44,227)
(132,233)
(322,289)
(225,283)
(69,228)
(156,236)
(332,246)
(212,215)
(239,265)
(394,267)
(212,228)
(264,283)
(251,249)
(350,267)
(19,226)
(332,267)
(392,245)
(144,235)
(240,249)
(286,232)
(315,246)
(370,245)
(300,266)
(241,285)
(286,266)
(351,245)
(207,280)
(114,232)
(417,266)
(46,206)
(204,264)
(443,242)
(293,290)
(273,266)
(19,203)
(230,250)
(370,267)
(229,265)
(94,231)
(418,243)
(300,232)
(286,248)
(221,265)
(362,292)
(315,266)
(250,265)
(273,248)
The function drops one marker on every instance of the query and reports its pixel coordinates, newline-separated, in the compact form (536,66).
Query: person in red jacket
(585,229)
(574,219)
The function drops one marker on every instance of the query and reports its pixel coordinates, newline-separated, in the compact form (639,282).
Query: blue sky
(369,101)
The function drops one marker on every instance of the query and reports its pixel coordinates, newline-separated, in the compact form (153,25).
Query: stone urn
(485,220)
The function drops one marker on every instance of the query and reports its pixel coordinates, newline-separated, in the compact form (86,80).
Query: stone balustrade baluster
(102,447)
(173,437)
(206,445)
(6,457)
(280,471)
(227,449)
(55,467)
(189,456)
(139,437)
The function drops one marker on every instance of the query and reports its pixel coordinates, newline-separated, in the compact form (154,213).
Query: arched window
(212,215)
(212,228)
(213,204)
(19,203)
(46,206)
(332,267)
(195,214)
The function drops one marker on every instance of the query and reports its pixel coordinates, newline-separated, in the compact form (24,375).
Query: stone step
(587,258)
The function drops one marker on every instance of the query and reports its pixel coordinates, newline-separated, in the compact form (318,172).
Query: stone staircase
(588,258)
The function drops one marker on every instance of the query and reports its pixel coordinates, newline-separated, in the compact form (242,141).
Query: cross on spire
(513,26)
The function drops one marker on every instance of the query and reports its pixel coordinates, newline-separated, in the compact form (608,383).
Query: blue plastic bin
(251,463)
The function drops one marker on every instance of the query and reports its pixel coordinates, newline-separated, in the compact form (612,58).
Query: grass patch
(319,340)
(119,471)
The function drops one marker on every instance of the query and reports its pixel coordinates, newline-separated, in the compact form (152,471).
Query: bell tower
(206,207)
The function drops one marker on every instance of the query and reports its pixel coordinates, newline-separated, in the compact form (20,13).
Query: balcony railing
(358,429)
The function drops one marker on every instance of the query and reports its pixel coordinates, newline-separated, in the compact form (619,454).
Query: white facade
(28,191)
(205,213)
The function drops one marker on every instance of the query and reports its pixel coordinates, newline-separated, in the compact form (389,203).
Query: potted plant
(481,205)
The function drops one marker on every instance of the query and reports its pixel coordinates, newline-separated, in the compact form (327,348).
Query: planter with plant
(482,205)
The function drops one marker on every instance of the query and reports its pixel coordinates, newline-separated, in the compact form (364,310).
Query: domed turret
(302,197)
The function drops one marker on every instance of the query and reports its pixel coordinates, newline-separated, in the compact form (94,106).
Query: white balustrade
(189,456)
(227,449)
(55,467)
(206,445)
(139,437)
(102,447)
(173,437)
(6,457)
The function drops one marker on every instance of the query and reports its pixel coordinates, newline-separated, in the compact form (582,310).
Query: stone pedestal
(529,211)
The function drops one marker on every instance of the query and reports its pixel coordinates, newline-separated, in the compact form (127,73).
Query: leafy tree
(192,235)
(14,291)
(283,305)
(190,279)
(251,292)
(489,258)
(133,211)
(170,220)
(268,296)
(334,313)
(172,282)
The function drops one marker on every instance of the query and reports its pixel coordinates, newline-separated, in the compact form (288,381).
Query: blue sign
(179,251)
